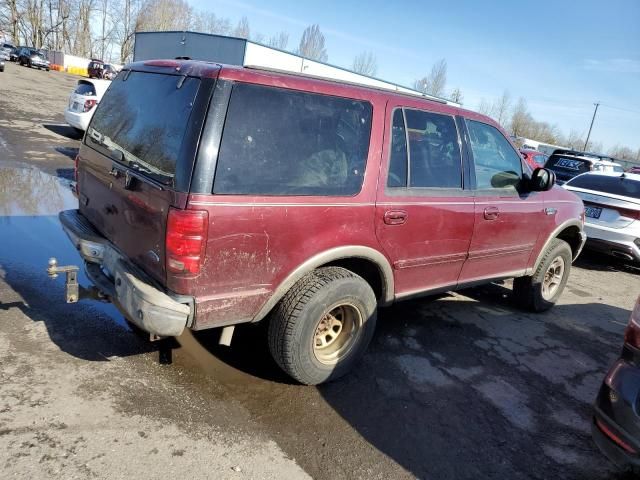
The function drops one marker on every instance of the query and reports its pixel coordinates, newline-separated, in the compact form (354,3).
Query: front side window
(285,142)
(434,159)
(497,165)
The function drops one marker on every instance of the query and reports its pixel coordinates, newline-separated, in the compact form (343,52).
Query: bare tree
(501,108)
(434,83)
(162,15)
(366,64)
(520,119)
(242,30)
(456,96)
(209,22)
(312,44)
(484,107)
(279,41)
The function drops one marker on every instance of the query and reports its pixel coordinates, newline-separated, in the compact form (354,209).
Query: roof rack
(394,89)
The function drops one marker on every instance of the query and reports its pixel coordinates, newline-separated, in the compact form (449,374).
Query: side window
(284,142)
(434,154)
(398,156)
(497,164)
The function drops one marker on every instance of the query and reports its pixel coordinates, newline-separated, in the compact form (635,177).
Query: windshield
(621,185)
(141,121)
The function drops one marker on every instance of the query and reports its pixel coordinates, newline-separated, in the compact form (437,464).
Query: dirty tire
(527,291)
(294,323)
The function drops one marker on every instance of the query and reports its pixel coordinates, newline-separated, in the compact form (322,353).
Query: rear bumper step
(135,295)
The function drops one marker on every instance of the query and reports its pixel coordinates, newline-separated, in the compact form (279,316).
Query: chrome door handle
(491,213)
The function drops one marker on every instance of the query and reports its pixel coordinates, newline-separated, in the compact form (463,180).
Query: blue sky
(561,56)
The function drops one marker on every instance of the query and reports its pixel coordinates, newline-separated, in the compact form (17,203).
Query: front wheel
(542,290)
(323,325)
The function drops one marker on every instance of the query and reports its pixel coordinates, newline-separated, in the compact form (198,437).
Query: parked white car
(612,212)
(83,102)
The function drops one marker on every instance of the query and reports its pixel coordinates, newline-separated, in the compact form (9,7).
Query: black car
(567,164)
(616,419)
(31,57)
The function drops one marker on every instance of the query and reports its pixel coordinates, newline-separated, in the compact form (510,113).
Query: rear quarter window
(145,117)
(625,187)
(285,142)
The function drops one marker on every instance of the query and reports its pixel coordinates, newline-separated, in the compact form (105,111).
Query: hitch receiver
(72,290)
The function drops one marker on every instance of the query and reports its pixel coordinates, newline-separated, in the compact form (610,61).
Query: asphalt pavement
(459,386)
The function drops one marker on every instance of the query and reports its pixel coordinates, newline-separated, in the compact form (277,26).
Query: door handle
(491,213)
(395,217)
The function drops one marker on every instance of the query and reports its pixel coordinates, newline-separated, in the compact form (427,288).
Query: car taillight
(635,214)
(89,104)
(186,240)
(632,333)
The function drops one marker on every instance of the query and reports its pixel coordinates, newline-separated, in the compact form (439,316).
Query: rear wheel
(542,290)
(323,325)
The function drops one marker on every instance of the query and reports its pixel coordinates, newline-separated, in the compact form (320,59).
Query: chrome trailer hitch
(73,291)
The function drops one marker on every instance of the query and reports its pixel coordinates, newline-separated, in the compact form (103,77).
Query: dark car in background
(9,48)
(99,69)
(534,158)
(567,164)
(616,420)
(31,57)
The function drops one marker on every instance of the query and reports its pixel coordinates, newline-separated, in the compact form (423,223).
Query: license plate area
(593,212)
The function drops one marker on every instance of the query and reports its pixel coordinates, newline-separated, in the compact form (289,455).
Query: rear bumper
(79,120)
(618,243)
(135,295)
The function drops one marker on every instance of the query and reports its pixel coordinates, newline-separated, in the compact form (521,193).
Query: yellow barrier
(78,71)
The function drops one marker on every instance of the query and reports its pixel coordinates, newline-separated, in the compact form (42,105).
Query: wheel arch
(571,232)
(366,262)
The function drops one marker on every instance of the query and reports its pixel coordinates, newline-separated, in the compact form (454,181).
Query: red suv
(211,196)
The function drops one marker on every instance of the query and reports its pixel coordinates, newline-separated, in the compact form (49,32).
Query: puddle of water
(30,232)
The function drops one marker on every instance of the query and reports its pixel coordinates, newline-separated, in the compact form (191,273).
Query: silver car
(612,212)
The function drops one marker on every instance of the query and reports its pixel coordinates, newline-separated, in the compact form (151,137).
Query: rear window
(95,65)
(568,164)
(612,185)
(85,88)
(142,121)
(285,142)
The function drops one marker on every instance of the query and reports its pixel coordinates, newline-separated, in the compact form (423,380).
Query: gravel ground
(463,385)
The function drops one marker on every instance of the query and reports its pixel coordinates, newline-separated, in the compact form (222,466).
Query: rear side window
(612,185)
(434,152)
(568,164)
(85,88)
(284,142)
(145,118)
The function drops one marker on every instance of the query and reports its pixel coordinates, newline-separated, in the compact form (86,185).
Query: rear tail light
(89,104)
(186,240)
(632,333)
(635,214)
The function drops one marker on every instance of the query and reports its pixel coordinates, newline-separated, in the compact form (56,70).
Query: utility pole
(591,126)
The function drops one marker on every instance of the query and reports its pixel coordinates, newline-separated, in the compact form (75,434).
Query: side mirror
(542,180)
